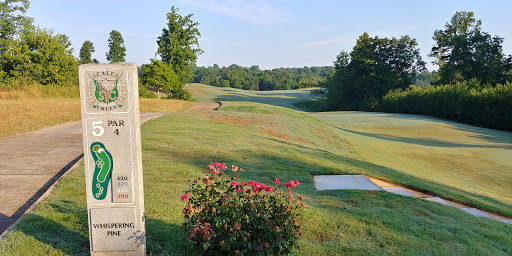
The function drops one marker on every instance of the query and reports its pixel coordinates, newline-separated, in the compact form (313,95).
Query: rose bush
(225,216)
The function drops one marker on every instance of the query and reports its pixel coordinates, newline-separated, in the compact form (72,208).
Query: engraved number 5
(98,130)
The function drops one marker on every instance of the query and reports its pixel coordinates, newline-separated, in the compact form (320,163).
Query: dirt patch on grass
(273,133)
(419,213)
(238,120)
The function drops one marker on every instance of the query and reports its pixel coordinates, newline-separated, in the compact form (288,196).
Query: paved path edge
(47,188)
(41,194)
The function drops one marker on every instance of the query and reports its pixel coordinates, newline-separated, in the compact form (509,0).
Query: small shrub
(228,217)
(144,92)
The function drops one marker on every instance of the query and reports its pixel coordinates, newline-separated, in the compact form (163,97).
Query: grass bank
(461,162)
(268,142)
(284,98)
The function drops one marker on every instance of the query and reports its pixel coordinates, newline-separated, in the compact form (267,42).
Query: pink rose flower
(290,184)
(185,196)
(277,182)
(234,183)
(220,165)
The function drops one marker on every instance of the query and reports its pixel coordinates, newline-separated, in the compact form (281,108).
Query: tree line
(31,54)
(253,78)
(382,74)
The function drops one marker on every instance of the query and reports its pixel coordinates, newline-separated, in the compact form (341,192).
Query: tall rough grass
(24,90)
(26,107)
(468,102)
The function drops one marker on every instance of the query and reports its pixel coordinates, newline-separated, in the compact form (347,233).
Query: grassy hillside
(269,142)
(461,162)
(286,98)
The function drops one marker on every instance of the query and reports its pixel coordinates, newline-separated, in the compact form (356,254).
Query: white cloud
(255,11)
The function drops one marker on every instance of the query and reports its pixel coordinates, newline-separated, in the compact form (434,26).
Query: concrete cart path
(31,163)
(362,182)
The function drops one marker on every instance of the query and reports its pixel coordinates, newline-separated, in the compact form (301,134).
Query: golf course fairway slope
(276,142)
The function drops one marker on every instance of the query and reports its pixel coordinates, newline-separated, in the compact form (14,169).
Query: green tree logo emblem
(106,92)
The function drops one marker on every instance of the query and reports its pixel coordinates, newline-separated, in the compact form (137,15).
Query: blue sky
(271,34)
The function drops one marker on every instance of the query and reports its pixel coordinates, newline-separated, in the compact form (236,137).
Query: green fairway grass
(456,161)
(269,142)
(285,98)
(467,164)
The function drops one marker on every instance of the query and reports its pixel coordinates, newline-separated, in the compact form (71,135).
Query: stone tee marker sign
(113,160)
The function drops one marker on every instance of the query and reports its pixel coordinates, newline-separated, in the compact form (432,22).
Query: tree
(86,53)
(253,78)
(12,22)
(463,51)
(41,56)
(32,53)
(12,19)
(178,45)
(375,66)
(117,51)
(162,77)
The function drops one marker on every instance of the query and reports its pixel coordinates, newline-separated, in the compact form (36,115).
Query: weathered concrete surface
(476,212)
(398,191)
(326,182)
(323,182)
(437,200)
(30,163)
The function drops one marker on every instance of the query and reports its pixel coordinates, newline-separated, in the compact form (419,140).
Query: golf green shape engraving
(103,164)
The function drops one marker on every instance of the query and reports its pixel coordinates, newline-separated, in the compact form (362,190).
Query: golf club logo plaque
(113,158)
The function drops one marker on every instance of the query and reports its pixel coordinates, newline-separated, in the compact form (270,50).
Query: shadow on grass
(267,163)
(489,135)
(54,234)
(495,136)
(424,142)
(386,222)
(265,99)
(407,223)
(162,238)
(166,239)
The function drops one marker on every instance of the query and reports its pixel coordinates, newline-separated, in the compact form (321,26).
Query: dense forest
(255,79)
